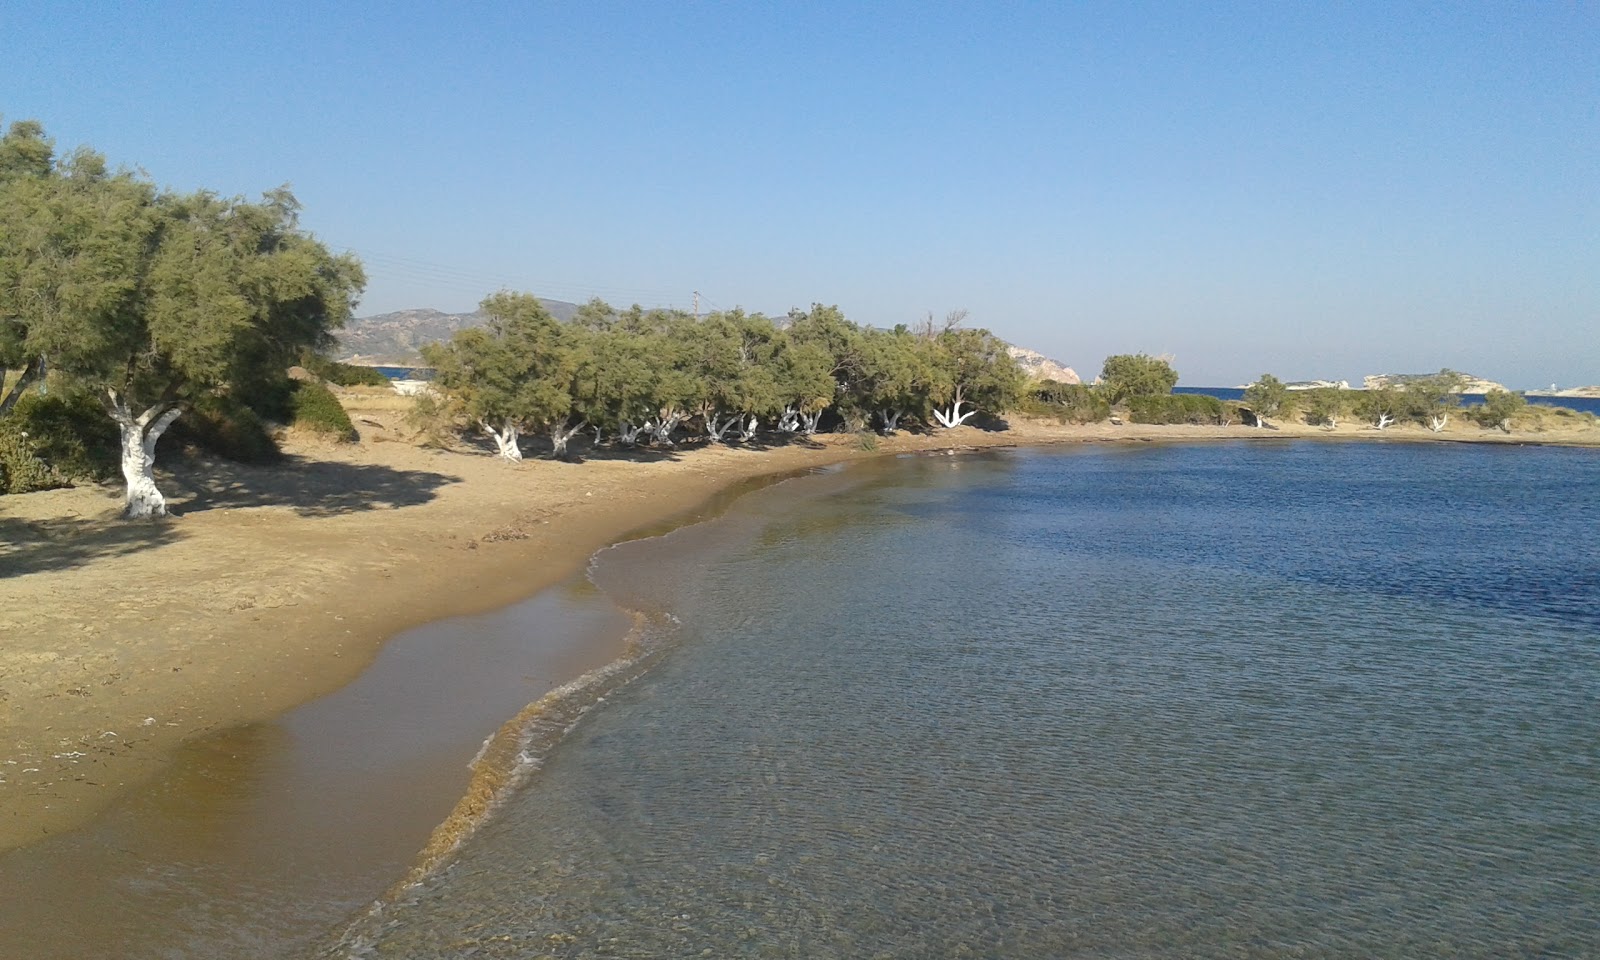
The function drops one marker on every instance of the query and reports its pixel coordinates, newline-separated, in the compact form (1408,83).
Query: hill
(399,336)
(1040,367)
(1469,383)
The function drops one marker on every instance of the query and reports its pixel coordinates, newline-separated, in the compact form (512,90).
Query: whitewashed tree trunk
(561,435)
(891,420)
(143,499)
(1384,421)
(749,431)
(661,430)
(629,434)
(1332,422)
(598,435)
(1437,423)
(808,423)
(505,439)
(717,427)
(954,417)
(790,421)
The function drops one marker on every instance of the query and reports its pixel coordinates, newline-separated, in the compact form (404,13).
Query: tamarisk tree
(514,374)
(152,299)
(969,367)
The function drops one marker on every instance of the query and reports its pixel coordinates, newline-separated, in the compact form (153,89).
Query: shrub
(69,432)
(315,408)
(436,418)
(1067,402)
(227,427)
(1325,406)
(1175,408)
(21,470)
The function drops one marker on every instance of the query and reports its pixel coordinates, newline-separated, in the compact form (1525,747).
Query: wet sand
(148,668)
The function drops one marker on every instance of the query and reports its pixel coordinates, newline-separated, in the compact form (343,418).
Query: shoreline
(280,585)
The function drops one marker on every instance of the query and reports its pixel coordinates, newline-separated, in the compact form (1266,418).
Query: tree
(1136,374)
(970,366)
(1430,399)
(1499,408)
(153,299)
(513,374)
(1325,405)
(1266,397)
(895,376)
(1380,407)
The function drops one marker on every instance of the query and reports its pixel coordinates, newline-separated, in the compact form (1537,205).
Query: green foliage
(22,470)
(1136,375)
(341,374)
(1432,396)
(1067,402)
(315,408)
(1177,408)
(521,369)
(68,432)
(1381,406)
(435,417)
(1325,406)
(971,366)
(1499,409)
(1266,396)
(225,426)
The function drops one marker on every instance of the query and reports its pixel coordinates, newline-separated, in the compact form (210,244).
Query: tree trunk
(661,431)
(808,423)
(143,500)
(30,374)
(505,439)
(629,434)
(717,428)
(560,435)
(1437,423)
(955,417)
(891,421)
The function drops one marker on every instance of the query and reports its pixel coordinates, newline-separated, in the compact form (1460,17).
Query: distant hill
(1469,383)
(398,337)
(1040,367)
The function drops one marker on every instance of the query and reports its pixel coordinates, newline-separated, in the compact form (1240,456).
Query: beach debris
(149,721)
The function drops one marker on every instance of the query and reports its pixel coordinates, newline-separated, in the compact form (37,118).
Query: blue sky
(1313,190)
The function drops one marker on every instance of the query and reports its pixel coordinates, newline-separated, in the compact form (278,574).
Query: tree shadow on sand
(34,546)
(312,488)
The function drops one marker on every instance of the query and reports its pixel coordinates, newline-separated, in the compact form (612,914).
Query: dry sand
(272,586)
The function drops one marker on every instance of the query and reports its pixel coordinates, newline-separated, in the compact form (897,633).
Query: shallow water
(1245,700)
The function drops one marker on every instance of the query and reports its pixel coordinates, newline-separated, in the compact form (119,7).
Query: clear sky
(1308,189)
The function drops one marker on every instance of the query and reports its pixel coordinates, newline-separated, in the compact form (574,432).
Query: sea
(1263,699)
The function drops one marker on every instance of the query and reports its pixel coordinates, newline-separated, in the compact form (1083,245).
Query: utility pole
(697,304)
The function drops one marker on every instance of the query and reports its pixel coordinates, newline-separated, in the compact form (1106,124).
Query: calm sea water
(1236,700)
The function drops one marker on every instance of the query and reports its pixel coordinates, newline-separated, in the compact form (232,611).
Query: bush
(1190,408)
(227,427)
(1067,402)
(69,432)
(314,408)
(21,470)
(1324,406)
(342,374)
